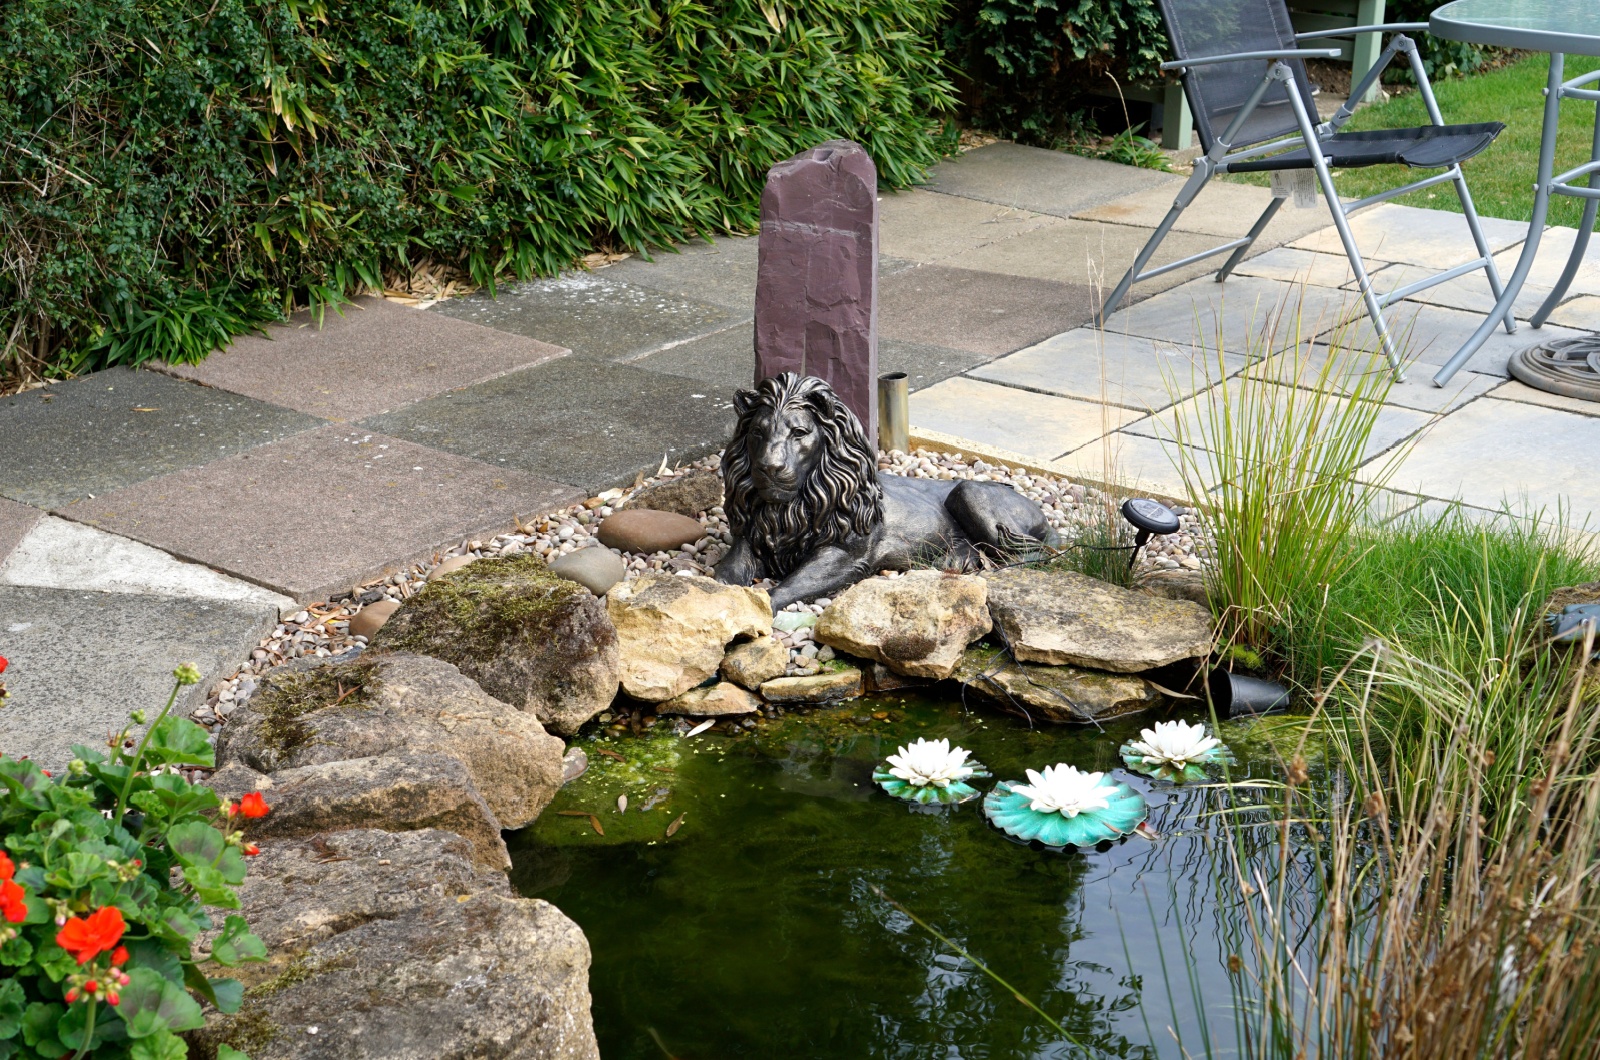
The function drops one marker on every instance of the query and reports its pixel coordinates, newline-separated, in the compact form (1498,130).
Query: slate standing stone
(817,274)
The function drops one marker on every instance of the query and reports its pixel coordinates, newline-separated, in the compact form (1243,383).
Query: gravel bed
(321,630)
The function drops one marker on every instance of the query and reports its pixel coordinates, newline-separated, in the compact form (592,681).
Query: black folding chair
(1244,74)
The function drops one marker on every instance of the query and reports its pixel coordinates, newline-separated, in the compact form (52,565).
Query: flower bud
(113,998)
(187,674)
(77,767)
(72,995)
(91,986)
(137,717)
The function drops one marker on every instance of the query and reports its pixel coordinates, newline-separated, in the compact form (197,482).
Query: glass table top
(1570,26)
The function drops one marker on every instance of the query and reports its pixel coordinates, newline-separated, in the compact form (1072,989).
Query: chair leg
(1580,245)
(1471,212)
(1186,194)
(1253,235)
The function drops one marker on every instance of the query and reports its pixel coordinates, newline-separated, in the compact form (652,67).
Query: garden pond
(772,921)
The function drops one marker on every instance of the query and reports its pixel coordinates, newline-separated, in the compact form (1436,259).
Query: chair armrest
(1355,31)
(1241,57)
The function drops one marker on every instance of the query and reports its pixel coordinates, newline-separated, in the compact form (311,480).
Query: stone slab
(1435,239)
(1492,453)
(374,356)
(88,436)
(320,512)
(1126,370)
(1305,266)
(926,227)
(1086,252)
(58,554)
(1580,312)
(979,312)
(574,420)
(81,661)
(1247,316)
(15,522)
(592,314)
(1430,335)
(1135,464)
(1304,365)
(1221,209)
(1555,247)
(1515,391)
(1032,178)
(1470,293)
(1038,426)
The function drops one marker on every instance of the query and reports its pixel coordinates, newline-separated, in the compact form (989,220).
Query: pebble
(596,568)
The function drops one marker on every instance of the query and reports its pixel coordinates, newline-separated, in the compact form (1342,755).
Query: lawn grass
(1501,178)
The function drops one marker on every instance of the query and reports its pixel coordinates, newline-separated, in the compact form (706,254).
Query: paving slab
(1580,312)
(58,554)
(1221,209)
(1555,247)
(375,356)
(15,522)
(81,661)
(1247,315)
(979,312)
(593,315)
(1304,266)
(1136,464)
(1305,366)
(1435,239)
(1470,293)
(726,359)
(1493,453)
(1095,255)
(1037,426)
(97,433)
(1515,391)
(926,226)
(317,513)
(1127,370)
(1430,335)
(1043,181)
(574,420)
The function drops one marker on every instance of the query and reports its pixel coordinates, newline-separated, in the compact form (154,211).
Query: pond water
(755,931)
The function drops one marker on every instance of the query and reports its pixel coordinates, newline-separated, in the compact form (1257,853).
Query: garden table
(1560,27)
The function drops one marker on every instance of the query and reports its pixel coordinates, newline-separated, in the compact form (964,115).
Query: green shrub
(172,173)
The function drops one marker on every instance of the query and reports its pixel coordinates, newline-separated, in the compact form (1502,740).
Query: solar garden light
(1149,517)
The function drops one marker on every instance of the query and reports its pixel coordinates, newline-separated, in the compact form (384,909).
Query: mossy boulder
(529,637)
(1066,694)
(397,704)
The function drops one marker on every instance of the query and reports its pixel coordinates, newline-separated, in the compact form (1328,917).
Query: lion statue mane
(808,507)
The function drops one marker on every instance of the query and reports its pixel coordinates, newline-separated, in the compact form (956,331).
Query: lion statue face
(799,472)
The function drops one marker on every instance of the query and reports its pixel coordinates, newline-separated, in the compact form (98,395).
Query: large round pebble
(449,566)
(646,530)
(370,619)
(595,568)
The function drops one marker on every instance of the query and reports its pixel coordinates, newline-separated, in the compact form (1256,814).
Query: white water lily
(1175,744)
(935,762)
(1065,790)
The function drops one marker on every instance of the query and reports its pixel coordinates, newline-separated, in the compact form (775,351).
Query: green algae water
(756,929)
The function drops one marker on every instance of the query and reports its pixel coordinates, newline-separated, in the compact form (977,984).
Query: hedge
(175,172)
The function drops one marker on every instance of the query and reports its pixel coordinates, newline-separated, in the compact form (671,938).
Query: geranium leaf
(176,740)
(152,1003)
(210,886)
(162,1046)
(229,994)
(236,944)
(196,843)
(39,1024)
(228,1052)
(11,1008)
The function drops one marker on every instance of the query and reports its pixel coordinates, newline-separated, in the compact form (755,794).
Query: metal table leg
(1580,244)
(1530,246)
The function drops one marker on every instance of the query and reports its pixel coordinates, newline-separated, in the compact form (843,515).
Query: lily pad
(952,794)
(1013,815)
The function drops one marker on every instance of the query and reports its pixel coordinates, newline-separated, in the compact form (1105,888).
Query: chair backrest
(1217,93)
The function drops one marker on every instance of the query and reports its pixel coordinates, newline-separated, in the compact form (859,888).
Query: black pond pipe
(1239,696)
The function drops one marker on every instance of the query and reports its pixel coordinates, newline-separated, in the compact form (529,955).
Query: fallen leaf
(677,822)
(141,408)
(573,813)
(596,822)
(698,729)
(610,754)
(622,804)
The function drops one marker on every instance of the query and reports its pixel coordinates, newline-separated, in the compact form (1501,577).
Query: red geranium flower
(13,902)
(88,937)
(120,957)
(7,868)
(3,664)
(253,805)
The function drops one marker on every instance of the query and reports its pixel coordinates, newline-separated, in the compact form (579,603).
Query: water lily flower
(1174,750)
(1064,806)
(930,772)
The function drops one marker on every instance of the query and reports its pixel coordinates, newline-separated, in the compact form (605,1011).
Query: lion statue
(808,507)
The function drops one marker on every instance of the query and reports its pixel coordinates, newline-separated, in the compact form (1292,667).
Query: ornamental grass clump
(106,876)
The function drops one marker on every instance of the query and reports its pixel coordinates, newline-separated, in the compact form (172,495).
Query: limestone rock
(754,662)
(450,566)
(674,631)
(719,700)
(1177,585)
(394,704)
(596,568)
(1067,694)
(532,639)
(371,618)
(645,530)
(689,494)
(826,687)
(395,946)
(879,678)
(1060,617)
(396,793)
(917,624)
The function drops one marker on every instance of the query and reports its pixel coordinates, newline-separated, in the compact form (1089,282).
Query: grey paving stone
(1470,293)
(926,227)
(81,661)
(1430,335)
(376,356)
(1305,266)
(1249,316)
(1580,312)
(1221,209)
(1042,181)
(1135,463)
(1555,247)
(592,314)
(574,420)
(100,432)
(1515,391)
(981,312)
(1495,453)
(15,522)
(726,359)
(1039,427)
(1435,239)
(1094,365)
(58,554)
(319,512)
(1305,365)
